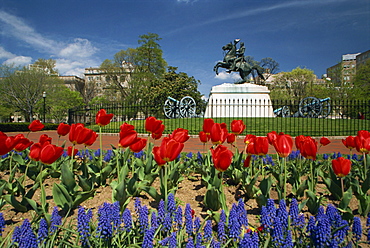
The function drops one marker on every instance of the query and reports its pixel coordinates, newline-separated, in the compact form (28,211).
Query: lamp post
(44,96)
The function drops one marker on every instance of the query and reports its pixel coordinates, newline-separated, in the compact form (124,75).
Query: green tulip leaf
(68,178)
(16,204)
(61,197)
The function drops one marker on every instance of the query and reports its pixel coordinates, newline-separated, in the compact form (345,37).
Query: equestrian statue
(234,60)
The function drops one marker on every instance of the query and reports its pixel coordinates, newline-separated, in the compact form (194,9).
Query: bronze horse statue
(234,61)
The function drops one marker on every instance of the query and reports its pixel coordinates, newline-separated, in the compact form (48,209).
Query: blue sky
(79,34)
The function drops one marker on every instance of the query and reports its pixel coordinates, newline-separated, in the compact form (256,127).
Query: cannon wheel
(187,107)
(310,107)
(171,110)
(285,111)
(326,109)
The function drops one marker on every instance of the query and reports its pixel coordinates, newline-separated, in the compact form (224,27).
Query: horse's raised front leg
(215,68)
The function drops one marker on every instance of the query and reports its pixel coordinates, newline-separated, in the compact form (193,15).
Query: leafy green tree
(22,88)
(361,83)
(150,56)
(59,99)
(133,70)
(176,85)
(47,65)
(294,85)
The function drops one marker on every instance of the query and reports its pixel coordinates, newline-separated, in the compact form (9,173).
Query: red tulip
(349,142)
(79,134)
(35,151)
(248,138)
(362,141)
(283,145)
(69,151)
(237,126)
(102,118)
(63,129)
(155,127)
(207,125)
(299,141)
(180,135)
(35,126)
(170,149)
(127,135)
(157,136)
(271,137)
(157,156)
(341,166)
(46,153)
(247,161)
(22,143)
(218,133)
(93,136)
(309,148)
(6,143)
(250,148)
(152,125)
(44,138)
(261,146)
(324,141)
(231,137)
(203,137)
(50,153)
(138,145)
(222,157)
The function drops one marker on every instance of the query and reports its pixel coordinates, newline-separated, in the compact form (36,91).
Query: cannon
(185,108)
(309,107)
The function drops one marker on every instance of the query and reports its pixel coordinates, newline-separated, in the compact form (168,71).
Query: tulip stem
(72,157)
(365,166)
(101,147)
(118,164)
(11,167)
(312,178)
(25,173)
(164,183)
(285,177)
(342,184)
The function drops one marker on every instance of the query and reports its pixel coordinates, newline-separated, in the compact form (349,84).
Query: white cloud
(228,76)
(17,28)
(5,54)
(80,48)
(19,60)
(71,57)
(11,58)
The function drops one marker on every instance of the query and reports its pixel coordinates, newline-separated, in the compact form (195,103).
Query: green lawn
(261,126)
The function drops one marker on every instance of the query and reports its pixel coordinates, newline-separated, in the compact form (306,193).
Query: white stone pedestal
(239,100)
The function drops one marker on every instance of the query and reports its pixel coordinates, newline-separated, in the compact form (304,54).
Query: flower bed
(301,180)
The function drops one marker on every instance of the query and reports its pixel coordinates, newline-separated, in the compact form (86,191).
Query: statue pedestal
(239,100)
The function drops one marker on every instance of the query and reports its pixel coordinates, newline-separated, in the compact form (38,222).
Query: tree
(271,67)
(22,88)
(294,85)
(133,70)
(47,65)
(175,85)
(59,99)
(361,83)
(150,56)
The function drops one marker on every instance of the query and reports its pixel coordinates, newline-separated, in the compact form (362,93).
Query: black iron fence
(314,117)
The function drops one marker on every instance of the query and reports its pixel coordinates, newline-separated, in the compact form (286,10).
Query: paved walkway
(192,145)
